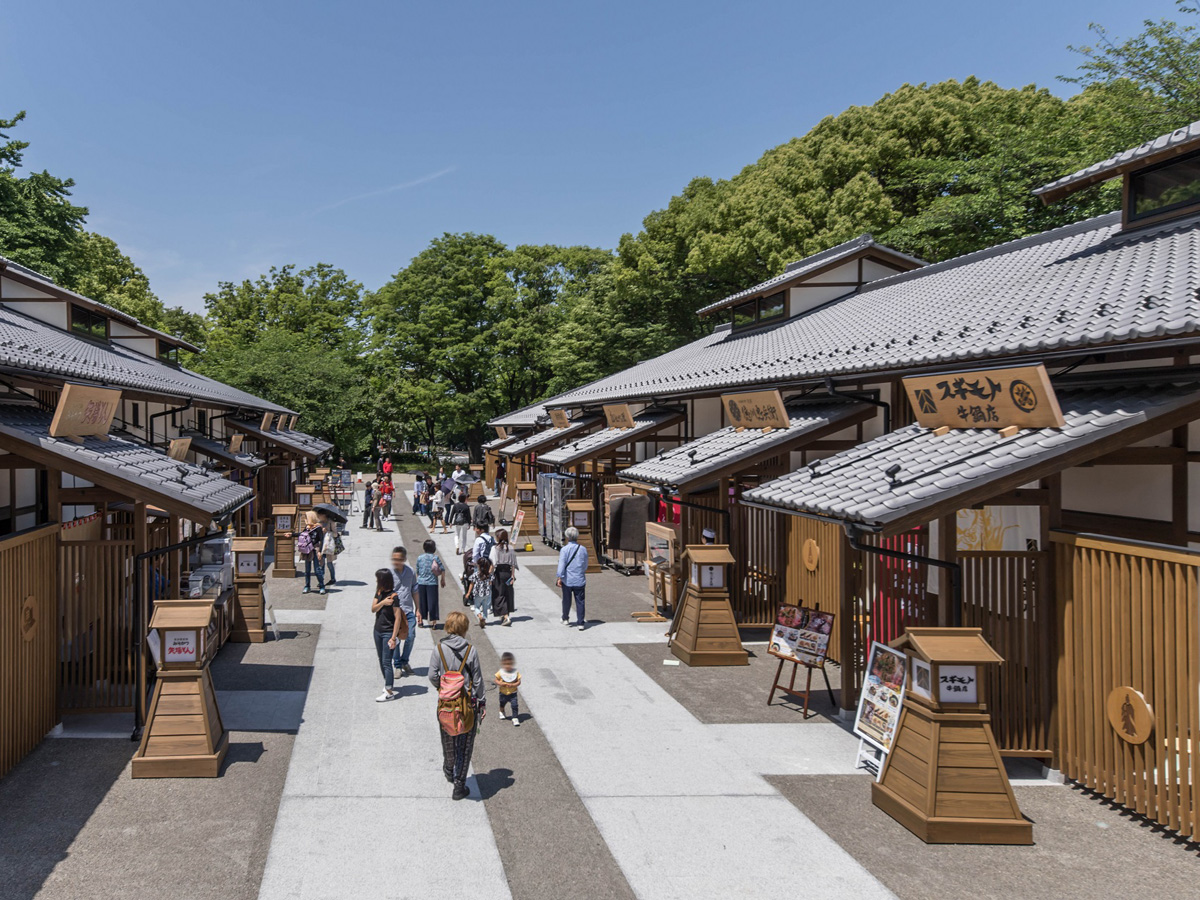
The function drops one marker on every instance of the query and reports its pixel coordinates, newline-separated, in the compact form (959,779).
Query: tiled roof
(968,465)
(705,457)
(304,444)
(131,468)
(1084,285)
(499,442)
(810,264)
(600,442)
(1181,140)
(549,437)
(28,345)
(219,451)
(16,268)
(526,415)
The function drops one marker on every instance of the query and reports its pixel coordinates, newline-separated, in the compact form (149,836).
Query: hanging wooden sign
(83,411)
(618,416)
(266,421)
(179,448)
(1019,396)
(756,409)
(559,418)
(235,443)
(502,432)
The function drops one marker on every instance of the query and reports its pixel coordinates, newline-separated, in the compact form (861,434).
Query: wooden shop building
(110,452)
(1003,440)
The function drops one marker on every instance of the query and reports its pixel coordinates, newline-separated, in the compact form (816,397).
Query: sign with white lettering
(618,416)
(559,418)
(84,410)
(1020,396)
(179,448)
(756,409)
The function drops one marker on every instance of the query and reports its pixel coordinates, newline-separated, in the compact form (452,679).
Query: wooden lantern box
(306,498)
(286,518)
(706,632)
(249,567)
(944,779)
(479,488)
(579,517)
(184,736)
(527,502)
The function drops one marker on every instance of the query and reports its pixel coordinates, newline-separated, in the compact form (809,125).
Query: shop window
(89,323)
(202,420)
(773,307)
(135,414)
(1165,188)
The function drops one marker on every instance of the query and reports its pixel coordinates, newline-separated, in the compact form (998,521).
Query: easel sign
(801,637)
(84,411)
(880,701)
(179,448)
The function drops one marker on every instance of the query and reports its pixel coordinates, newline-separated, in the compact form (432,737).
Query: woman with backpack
(430,571)
(310,543)
(504,561)
(331,546)
(457,676)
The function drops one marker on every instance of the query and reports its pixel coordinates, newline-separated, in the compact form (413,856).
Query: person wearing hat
(708,536)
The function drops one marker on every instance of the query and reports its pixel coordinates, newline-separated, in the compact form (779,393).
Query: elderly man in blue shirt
(572,576)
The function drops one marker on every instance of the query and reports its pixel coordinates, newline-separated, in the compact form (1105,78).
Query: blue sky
(213,140)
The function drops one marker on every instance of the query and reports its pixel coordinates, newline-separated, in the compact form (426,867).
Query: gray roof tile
(549,437)
(599,442)
(1178,141)
(302,443)
(853,486)
(219,451)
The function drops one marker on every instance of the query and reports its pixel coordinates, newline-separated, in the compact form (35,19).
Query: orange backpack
(455,711)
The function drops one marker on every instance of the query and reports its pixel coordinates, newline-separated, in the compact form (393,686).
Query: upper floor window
(760,311)
(89,323)
(1165,188)
(168,353)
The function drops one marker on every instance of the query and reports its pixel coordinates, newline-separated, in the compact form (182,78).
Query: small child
(481,590)
(509,679)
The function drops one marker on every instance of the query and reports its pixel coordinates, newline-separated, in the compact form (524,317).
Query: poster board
(83,410)
(756,409)
(235,443)
(882,697)
(801,635)
(1016,396)
(179,448)
(518,521)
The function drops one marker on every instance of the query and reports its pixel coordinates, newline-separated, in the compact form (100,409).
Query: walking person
(387,467)
(501,472)
(390,629)
(418,490)
(433,505)
(504,563)
(460,518)
(481,513)
(462,704)
(388,490)
(368,519)
(445,500)
(404,583)
(508,679)
(310,543)
(431,571)
(481,590)
(572,576)
(331,546)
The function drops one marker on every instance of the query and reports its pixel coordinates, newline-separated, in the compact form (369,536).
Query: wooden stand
(285,540)
(184,735)
(944,779)
(527,503)
(791,691)
(248,583)
(661,589)
(707,633)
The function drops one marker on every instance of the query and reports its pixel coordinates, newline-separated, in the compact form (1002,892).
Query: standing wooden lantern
(184,735)
(527,500)
(285,539)
(304,497)
(944,779)
(479,488)
(707,632)
(249,575)
(579,517)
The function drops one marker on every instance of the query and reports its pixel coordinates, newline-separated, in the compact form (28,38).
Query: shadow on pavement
(493,782)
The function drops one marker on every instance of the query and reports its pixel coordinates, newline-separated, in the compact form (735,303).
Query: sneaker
(506,621)
(398,672)
(306,591)
(449,775)
(385,697)
(581,626)
(565,622)
(407,669)
(461,792)
(502,715)
(516,722)
(321,591)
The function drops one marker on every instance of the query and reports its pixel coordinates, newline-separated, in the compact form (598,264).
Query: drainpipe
(954,569)
(165,412)
(212,419)
(862,398)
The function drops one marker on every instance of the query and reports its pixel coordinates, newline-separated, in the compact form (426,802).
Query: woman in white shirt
(504,565)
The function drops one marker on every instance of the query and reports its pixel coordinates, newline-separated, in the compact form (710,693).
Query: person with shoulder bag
(310,542)
(504,562)
(460,518)
(457,676)
(431,571)
(482,515)
(331,546)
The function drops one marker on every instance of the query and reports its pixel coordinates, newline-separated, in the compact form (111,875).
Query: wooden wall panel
(1127,616)
(28,689)
(824,587)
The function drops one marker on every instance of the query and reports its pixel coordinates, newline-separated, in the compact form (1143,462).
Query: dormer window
(88,323)
(760,311)
(1171,187)
(168,353)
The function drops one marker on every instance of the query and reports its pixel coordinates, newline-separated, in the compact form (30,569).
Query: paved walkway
(682,807)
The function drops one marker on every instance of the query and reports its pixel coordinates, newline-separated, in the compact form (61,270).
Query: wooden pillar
(174,567)
(948,551)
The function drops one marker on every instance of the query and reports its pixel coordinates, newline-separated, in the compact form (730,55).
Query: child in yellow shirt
(508,679)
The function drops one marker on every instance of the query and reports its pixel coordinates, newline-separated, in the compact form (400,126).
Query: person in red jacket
(387,465)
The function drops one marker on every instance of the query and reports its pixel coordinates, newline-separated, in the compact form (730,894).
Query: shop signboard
(559,418)
(756,409)
(881,698)
(518,521)
(179,448)
(502,432)
(181,646)
(83,410)
(618,415)
(265,424)
(1013,397)
(801,635)
(235,443)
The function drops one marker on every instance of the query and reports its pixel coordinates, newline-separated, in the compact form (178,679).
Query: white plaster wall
(845,272)
(147,346)
(51,313)
(873,270)
(26,493)
(1143,492)
(706,416)
(801,299)
(11,289)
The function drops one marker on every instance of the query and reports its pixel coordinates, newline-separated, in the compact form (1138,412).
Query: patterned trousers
(456,752)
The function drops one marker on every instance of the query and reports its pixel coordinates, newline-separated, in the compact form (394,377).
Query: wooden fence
(97,670)
(1006,595)
(28,695)
(1127,616)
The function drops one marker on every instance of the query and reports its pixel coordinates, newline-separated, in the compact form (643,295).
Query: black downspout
(954,569)
(212,419)
(885,406)
(165,412)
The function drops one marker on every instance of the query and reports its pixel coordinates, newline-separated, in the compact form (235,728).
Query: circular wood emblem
(810,552)
(1130,715)
(29,618)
